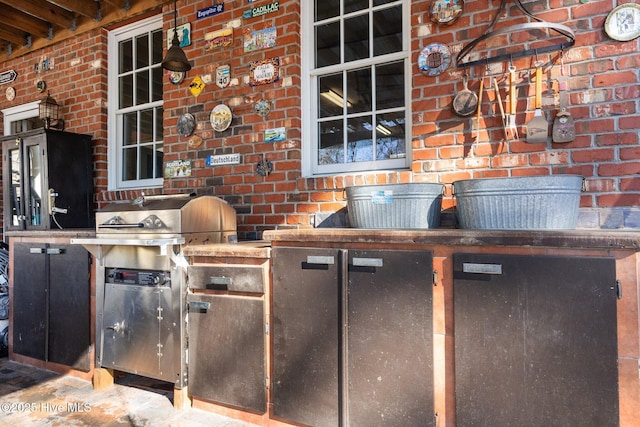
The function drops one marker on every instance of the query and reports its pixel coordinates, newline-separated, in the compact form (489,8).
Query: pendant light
(176,60)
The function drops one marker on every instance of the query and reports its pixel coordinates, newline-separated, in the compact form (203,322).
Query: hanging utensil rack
(538,25)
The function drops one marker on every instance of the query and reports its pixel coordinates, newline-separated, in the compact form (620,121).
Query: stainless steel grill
(141,279)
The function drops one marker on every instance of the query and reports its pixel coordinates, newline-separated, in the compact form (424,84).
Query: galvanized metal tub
(411,205)
(524,203)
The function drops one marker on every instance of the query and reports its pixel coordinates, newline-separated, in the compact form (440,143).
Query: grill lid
(168,216)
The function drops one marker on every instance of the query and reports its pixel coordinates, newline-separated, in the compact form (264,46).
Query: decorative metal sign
(223,159)
(177,168)
(210,11)
(184,35)
(264,72)
(261,10)
(264,167)
(275,134)
(223,76)
(7,76)
(196,86)
(262,39)
(217,39)
(262,107)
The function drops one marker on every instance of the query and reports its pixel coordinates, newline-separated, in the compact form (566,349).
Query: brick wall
(604,97)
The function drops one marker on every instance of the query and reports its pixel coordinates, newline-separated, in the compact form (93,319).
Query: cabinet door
(389,371)
(535,341)
(227,352)
(306,335)
(69,306)
(29,317)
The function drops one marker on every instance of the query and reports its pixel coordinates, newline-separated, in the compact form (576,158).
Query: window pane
(159,126)
(147,162)
(126,91)
(387,31)
(142,87)
(330,95)
(359,90)
(129,164)
(130,129)
(390,85)
(331,147)
(326,9)
(359,139)
(390,136)
(381,2)
(356,38)
(157,47)
(142,51)
(355,5)
(159,161)
(146,126)
(156,83)
(327,44)
(125,56)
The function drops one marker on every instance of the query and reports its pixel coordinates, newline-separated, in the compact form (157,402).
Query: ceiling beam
(120,4)
(14,37)
(88,8)
(15,19)
(44,10)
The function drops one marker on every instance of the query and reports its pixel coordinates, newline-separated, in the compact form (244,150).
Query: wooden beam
(44,10)
(19,20)
(120,4)
(16,39)
(88,8)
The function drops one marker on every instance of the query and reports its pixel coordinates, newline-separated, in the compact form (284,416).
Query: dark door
(30,281)
(390,339)
(306,335)
(69,306)
(227,351)
(535,341)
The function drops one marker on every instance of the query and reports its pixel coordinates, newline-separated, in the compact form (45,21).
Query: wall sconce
(335,98)
(49,112)
(175,60)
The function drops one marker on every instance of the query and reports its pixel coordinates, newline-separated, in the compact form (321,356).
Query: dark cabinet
(48,180)
(352,337)
(51,303)
(227,356)
(535,341)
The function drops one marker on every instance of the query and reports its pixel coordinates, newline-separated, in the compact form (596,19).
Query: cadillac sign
(261,10)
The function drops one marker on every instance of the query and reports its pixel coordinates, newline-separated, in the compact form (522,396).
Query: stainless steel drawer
(234,278)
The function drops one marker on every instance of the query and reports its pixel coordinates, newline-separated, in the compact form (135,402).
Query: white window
(356,80)
(22,118)
(135,129)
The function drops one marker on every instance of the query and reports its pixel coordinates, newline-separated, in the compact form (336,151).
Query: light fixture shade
(176,60)
(49,110)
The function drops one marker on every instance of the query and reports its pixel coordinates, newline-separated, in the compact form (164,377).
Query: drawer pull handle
(200,305)
(367,262)
(471,267)
(219,283)
(329,260)
(36,250)
(55,251)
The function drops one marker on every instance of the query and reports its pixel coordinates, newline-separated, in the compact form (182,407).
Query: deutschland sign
(8,77)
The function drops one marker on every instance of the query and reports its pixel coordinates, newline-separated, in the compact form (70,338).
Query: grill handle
(137,225)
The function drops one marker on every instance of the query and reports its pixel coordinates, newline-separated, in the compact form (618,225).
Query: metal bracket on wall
(539,25)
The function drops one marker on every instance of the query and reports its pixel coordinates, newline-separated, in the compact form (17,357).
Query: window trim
(114,160)
(19,112)
(309,80)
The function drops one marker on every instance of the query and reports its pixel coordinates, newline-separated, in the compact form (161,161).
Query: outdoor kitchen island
(447,327)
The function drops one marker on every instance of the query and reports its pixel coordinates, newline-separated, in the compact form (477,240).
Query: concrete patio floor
(39,398)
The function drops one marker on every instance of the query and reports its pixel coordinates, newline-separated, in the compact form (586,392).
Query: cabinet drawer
(235,278)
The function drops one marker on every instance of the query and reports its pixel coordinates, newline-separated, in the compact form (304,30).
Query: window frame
(114,113)
(19,112)
(309,97)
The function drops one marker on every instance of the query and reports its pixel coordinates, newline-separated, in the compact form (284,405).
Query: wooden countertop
(594,239)
(54,232)
(248,249)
